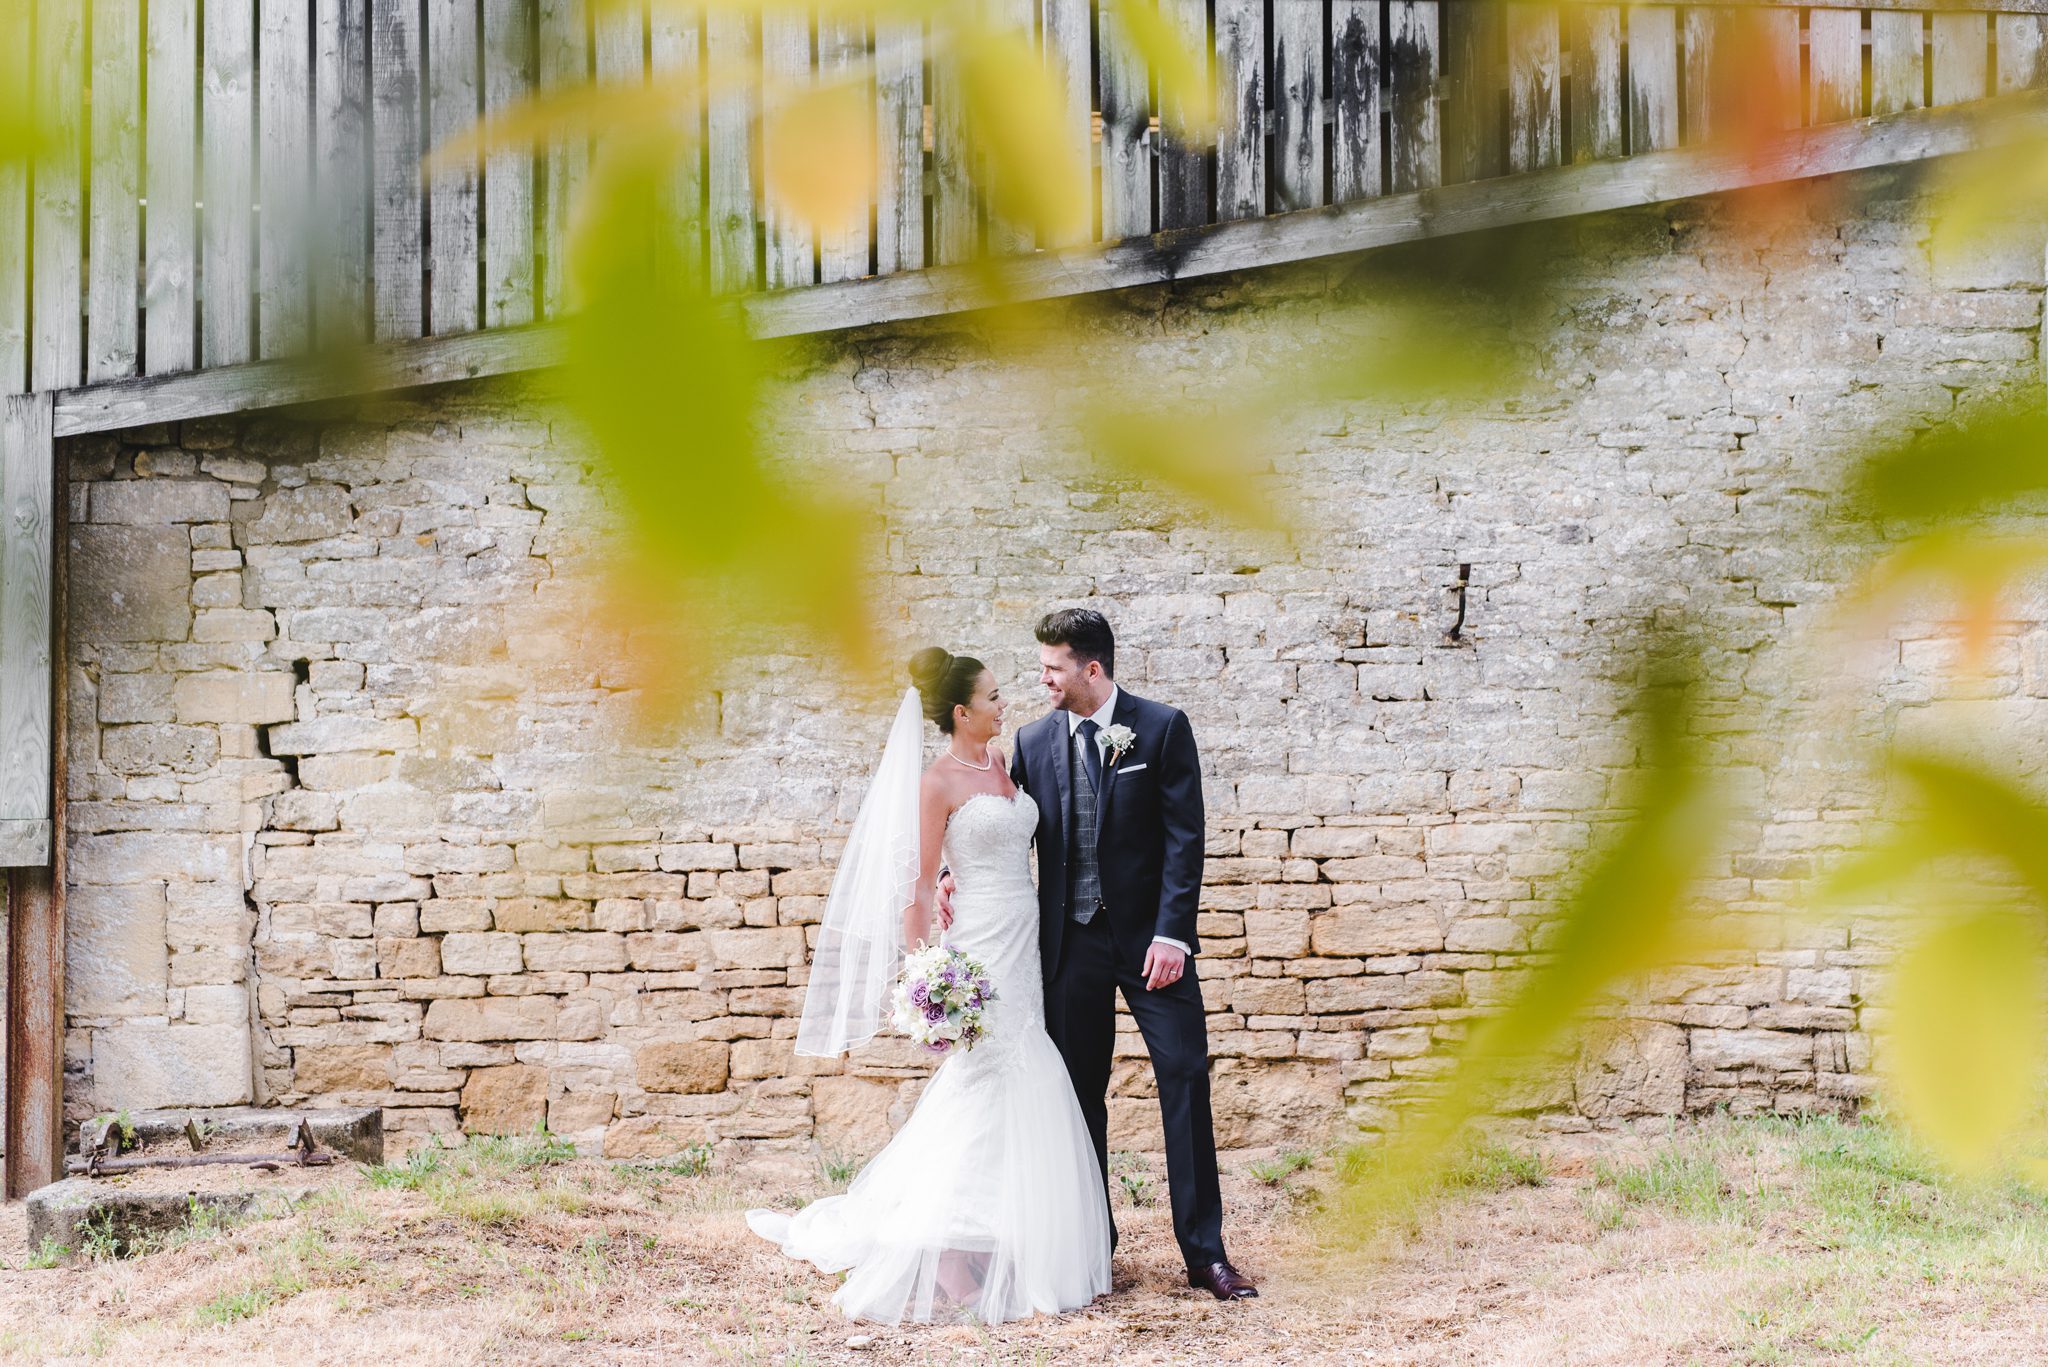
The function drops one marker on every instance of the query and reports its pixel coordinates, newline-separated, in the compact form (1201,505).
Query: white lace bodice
(995,905)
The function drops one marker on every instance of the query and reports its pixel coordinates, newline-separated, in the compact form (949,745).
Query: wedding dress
(988,1202)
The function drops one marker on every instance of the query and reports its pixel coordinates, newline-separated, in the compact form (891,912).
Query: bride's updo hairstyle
(944,681)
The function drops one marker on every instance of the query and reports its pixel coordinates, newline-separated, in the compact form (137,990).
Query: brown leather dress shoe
(1222,1281)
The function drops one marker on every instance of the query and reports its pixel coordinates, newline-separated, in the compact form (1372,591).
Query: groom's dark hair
(1085,632)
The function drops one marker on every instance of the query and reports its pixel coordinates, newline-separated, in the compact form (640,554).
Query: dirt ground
(1729,1243)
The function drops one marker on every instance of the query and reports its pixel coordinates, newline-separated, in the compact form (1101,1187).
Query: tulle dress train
(988,1203)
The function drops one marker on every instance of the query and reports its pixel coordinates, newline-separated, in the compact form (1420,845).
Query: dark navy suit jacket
(1150,829)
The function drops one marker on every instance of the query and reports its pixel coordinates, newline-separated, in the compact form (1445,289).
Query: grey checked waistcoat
(1084,874)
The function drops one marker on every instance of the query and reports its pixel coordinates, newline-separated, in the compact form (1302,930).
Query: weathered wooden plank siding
(58,346)
(1535,93)
(1415,141)
(785,73)
(14,212)
(1474,46)
(396,260)
(955,223)
(27,471)
(675,60)
(1297,104)
(843,59)
(1241,127)
(1184,199)
(899,111)
(564,61)
(508,181)
(454,102)
(1356,144)
(1961,57)
(114,236)
(283,175)
(1126,110)
(1898,67)
(732,45)
(269,189)
(2022,51)
(1834,55)
(1599,106)
(1652,78)
(227,153)
(341,275)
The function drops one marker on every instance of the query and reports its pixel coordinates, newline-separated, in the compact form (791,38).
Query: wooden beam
(1218,248)
(34,1085)
(24,843)
(35,1031)
(27,539)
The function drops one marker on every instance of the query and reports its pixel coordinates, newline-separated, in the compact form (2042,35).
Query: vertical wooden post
(30,588)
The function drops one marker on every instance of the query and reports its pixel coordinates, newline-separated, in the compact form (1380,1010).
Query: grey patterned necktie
(1083,873)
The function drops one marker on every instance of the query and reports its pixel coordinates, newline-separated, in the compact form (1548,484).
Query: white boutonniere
(1119,739)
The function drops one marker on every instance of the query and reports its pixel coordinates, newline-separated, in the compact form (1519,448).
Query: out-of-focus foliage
(1964,1044)
(1627,912)
(20,137)
(668,383)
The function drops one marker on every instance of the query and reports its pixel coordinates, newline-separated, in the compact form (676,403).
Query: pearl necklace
(989,763)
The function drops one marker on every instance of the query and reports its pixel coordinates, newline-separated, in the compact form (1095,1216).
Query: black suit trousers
(1080,1013)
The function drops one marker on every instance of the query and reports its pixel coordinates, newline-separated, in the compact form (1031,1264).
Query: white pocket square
(1132,768)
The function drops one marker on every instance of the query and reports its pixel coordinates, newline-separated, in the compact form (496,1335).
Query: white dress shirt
(1101,717)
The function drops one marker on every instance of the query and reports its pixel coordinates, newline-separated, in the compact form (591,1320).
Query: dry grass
(1730,1243)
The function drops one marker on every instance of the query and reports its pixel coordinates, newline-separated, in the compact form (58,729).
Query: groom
(1120,838)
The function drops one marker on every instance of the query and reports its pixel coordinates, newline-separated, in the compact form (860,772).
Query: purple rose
(918,994)
(937,1046)
(934,1012)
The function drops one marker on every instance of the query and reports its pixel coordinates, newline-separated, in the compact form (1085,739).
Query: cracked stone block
(135,697)
(152,747)
(508,1100)
(153,502)
(311,512)
(115,960)
(130,583)
(140,1066)
(1632,1067)
(252,699)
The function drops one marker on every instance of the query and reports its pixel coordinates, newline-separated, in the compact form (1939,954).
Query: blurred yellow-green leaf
(1625,914)
(1975,570)
(1964,1047)
(1179,62)
(667,380)
(818,154)
(1213,456)
(1985,461)
(1035,174)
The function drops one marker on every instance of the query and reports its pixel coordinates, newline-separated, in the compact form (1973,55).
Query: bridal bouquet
(940,1001)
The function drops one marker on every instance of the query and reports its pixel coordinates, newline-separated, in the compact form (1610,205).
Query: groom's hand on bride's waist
(942,900)
(1164,963)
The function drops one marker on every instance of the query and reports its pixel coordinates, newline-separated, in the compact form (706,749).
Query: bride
(988,1203)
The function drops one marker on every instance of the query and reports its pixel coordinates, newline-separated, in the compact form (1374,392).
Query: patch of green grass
(419,1168)
(97,1240)
(230,1306)
(1494,1167)
(1678,1179)
(1277,1170)
(49,1253)
(694,1161)
(285,1280)
(838,1169)
(504,1153)
(491,1209)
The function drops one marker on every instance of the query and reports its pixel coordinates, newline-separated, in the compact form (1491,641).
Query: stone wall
(362,810)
